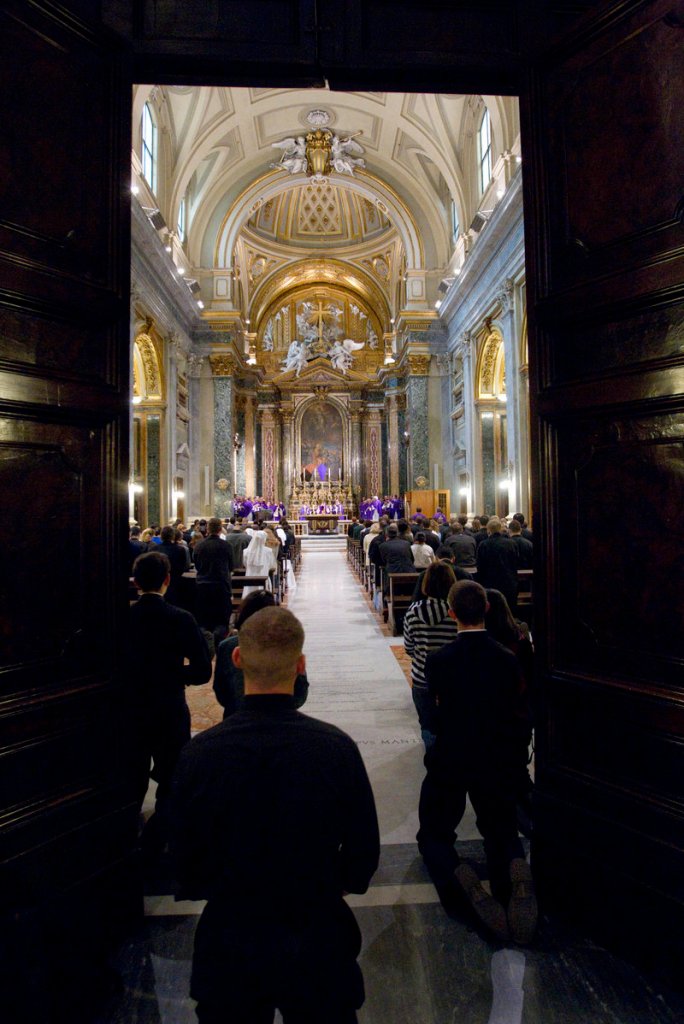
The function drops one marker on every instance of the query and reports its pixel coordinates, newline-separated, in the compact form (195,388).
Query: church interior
(412,252)
(320,260)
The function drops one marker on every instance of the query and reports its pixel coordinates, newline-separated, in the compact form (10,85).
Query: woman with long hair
(427,627)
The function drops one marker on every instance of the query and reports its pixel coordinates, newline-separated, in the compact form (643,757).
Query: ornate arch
(491,367)
(148,374)
(364,183)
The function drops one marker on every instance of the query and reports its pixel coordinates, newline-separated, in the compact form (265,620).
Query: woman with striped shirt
(427,627)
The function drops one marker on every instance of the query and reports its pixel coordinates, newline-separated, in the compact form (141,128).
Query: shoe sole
(522,906)
(488,911)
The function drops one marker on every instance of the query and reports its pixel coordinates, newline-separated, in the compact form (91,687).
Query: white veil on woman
(259,560)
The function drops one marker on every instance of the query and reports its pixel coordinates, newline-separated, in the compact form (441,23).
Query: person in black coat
(524,546)
(498,563)
(135,547)
(214,560)
(477,709)
(274,821)
(396,554)
(179,559)
(161,638)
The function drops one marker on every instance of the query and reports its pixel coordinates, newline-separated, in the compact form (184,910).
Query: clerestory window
(149,148)
(484,148)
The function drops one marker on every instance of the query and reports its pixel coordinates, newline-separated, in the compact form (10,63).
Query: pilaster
(418,367)
(222,368)
(250,445)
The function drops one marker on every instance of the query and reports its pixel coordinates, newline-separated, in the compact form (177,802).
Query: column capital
(222,364)
(194,364)
(418,364)
(505,295)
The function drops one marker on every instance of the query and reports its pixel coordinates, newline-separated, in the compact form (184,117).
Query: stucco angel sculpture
(293,158)
(296,357)
(345,155)
(340,353)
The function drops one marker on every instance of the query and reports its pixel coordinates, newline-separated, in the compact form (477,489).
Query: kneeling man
(274,822)
(477,708)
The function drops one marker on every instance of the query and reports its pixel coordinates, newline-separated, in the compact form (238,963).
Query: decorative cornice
(416,321)
(222,364)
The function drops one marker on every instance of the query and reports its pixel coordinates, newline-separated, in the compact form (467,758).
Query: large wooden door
(66,826)
(604,202)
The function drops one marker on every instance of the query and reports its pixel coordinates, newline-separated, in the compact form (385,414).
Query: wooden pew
(240,580)
(401,587)
(526,595)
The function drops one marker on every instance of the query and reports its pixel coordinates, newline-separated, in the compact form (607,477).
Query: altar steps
(324,542)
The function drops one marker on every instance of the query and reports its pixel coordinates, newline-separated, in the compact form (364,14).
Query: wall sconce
(406,439)
(237,443)
(136,399)
(178,495)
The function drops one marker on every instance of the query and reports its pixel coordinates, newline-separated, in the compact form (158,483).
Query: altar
(322,522)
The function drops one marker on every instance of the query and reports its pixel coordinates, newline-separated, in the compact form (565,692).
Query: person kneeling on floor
(478,710)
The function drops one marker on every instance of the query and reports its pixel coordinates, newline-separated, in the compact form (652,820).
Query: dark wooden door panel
(67,825)
(603,129)
(615,148)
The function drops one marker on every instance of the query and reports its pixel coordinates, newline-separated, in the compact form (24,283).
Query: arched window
(149,148)
(455,226)
(180,226)
(484,151)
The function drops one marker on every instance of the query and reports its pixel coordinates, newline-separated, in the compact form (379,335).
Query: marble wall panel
(223,443)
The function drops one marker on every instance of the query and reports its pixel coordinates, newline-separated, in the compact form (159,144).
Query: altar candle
(339,474)
(328,472)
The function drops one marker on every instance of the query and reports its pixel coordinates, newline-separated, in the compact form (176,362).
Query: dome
(319,215)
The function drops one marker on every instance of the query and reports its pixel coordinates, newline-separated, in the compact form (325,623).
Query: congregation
(470,681)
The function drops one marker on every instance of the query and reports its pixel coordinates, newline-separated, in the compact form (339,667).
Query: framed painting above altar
(322,443)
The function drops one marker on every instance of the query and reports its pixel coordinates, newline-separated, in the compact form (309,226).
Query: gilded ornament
(222,365)
(419,365)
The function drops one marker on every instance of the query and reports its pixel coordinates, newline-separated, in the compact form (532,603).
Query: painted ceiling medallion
(319,153)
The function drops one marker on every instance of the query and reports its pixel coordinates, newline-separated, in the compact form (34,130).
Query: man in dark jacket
(179,559)
(478,712)
(214,561)
(396,554)
(524,546)
(274,821)
(463,546)
(160,639)
(497,563)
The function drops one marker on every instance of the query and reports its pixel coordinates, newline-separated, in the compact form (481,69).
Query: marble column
(353,471)
(372,478)
(250,446)
(393,441)
(287,461)
(417,411)
(471,431)
(194,370)
(222,367)
(239,453)
(515,455)
(269,453)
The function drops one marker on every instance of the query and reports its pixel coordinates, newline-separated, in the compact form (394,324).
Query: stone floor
(420,965)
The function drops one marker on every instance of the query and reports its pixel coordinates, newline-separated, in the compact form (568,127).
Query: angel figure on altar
(296,357)
(340,353)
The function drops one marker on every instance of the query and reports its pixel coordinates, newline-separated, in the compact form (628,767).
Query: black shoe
(490,913)
(522,906)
